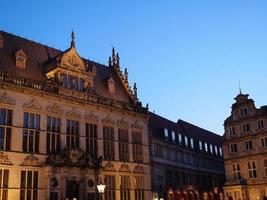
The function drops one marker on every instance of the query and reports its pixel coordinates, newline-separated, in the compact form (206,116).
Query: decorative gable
(21,59)
(4,98)
(33,104)
(31,160)
(111,85)
(1,41)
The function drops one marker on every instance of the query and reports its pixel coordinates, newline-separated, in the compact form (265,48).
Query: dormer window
(111,85)
(21,59)
(232,130)
(243,112)
(246,127)
(72,82)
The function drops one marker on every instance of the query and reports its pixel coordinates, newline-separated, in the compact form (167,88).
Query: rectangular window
(265,166)
(166,135)
(243,112)
(139,188)
(186,140)
(211,148)
(108,137)
(246,127)
(53,134)
(137,146)
(158,150)
(236,171)
(91,138)
(264,142)
(260,124)
(173,137)
(252,169)
(5,128)
(73,141)
(123,145)
(31,132)
(233,148)
(4,179)
(125,188)
(180,138)
(110,190)
(192,143)
(206,147)
(248,145)
(232,130)
(221,152)
(200,145)
(29,185)
(216,150)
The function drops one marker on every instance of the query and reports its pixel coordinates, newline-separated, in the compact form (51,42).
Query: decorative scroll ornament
(55,108)
(139,169)
(31,160)
(4,160)
(136,125)
(91,117)
(123,123)
(33,104)
(4,98)
(124,168)
(73,114)
(109,166)
(108,120)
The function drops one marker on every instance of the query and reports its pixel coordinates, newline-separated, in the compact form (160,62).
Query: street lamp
(101,189)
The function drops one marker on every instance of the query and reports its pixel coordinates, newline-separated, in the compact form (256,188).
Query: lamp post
(101,189)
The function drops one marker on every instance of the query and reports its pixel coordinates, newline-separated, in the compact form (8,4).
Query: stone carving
(73,60)
(123,123)
(73,114)
(109,166)
(73,93)
(91,117)
(4,98)
(136,125)
(55,108)
(33,104)
(139,169)
(4,160)
(31,160)
(108,120)
(124,168)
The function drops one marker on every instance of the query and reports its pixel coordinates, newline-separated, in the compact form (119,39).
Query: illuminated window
(53,134)
(5,128)
(139,188)
(252,169)
(125,188)
(110,190)
(73,141)
(29,185)
(4,178)
(91,138)
(108,137)
(31,132)
(123,145)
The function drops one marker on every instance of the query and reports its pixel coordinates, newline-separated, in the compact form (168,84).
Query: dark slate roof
(158,122)
(38,54)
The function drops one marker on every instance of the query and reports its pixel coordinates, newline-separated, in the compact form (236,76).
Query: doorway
(72,190)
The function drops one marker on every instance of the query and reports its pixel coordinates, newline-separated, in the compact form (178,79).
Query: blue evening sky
(187,56)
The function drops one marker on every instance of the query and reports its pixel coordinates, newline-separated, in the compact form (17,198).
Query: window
(265,166)
(139,188)
(29,185)
(110,191)
(252,169)
(233,148)
(137,146)
(31,132)
(73,134)
(186,140)
(232,130)
(5,128)
(216,150)
(243,112)
(245,127)
(4,178)
(236,171)
(221,152)
(91,138)
(72,82)
(158,151)
(200,145)
(260,124)
(180,138)
(192,143)
(211,148)
(168,175)
(173,137)
(21,58)
(125,188)
(206,147)
(108,137)
(264,142)
(123,145)
(53,134)
(248,145)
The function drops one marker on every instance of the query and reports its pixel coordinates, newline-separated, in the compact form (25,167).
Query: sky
(186,56)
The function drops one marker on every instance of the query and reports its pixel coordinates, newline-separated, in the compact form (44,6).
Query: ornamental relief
(4,98)
(138,169)
(31,160)
(123,123)
(4,160)
(136,125)
(108,120)
(91,117)
(73,114)
(124,168)
(55,108)
(109,166)
(33,104)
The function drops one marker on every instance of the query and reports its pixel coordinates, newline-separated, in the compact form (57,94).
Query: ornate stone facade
(245,150)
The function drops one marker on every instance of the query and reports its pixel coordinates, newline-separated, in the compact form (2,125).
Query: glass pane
(37,122)
(37,136)
(3,116)
(9,117)
(8,138)
(22,179)
(35,181)
(48,123)
(29,179)
(31,120)
(25,120)
(30,141)
(53,124)
(2,137)
(6,178)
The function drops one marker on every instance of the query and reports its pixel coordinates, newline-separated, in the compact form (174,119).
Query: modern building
(67,124)
(245,150)
(186,161)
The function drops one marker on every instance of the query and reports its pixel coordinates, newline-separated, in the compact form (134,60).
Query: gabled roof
(38,55)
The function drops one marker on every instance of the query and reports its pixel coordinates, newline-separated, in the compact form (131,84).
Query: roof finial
(72,39)
(240,91)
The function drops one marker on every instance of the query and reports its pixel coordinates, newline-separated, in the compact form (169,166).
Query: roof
(186,128)
(39,54)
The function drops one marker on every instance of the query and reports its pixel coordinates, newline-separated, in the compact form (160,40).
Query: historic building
(67,123)
(186,161)
(245,150)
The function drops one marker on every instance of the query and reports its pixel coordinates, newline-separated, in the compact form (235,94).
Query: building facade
(186,161)
(67,123)
(245,150)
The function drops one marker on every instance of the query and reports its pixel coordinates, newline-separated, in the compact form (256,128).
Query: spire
(135,91)
(72,39)
(118,59)
(240,91)
(126,74)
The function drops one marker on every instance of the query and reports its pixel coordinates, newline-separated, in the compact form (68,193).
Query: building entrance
(72,190)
